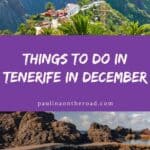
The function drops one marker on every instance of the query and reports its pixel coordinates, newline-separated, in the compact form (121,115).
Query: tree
(5,32)
(27,29)
(22,29)
(49,6)
(98,28)
(134,28)
(77,26)
(83,2)
(47,31)
(31,31)
(146,29)
(37,17)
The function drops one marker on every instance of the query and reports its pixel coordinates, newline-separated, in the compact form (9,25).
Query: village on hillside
(54,18)
(86,17)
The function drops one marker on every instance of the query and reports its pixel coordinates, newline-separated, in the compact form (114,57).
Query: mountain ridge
(135,10)
(11,14)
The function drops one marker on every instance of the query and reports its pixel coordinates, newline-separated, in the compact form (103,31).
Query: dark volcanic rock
(145,132)
(40,128)
(99,133)
(66,132)
(9,123)
(122,132)
(35,128)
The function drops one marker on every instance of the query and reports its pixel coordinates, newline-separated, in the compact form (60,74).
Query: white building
(38,30)
(55,24)
(72,9)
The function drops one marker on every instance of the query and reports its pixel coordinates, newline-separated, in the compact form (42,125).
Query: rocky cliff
(99,133)
(39,128)
(21,129)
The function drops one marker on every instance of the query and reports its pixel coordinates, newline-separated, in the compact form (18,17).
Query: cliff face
(11,14)
(35,128)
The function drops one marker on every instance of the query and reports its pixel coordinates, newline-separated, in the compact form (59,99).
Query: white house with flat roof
(72,9)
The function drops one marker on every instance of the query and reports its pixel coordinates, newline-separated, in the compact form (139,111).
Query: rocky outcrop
(39,128)
(65,132)
(9,123)
(132,136)
(35,128)
(122,132)
(99,133)
(146,132)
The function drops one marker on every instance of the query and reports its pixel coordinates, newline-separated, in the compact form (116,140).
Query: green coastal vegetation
(98,20)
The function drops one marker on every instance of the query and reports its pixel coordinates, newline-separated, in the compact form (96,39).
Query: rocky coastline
(41,129)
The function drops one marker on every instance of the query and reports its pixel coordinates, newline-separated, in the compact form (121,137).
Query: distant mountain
(113,16)
(136,10)
(12,12)
(37,6)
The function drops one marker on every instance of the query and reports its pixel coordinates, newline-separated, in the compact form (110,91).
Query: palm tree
(77,26)
(134,28)
(98,28)
(146,29)
(28,28)
(22,29)
(49,6)
(46,31)
(31,31)
(83,2)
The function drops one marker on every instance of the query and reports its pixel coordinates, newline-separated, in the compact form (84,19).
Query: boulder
(40,128)
(35,128)
(9,123)
(99,133)
(145,132)
(65,132)
(122,132)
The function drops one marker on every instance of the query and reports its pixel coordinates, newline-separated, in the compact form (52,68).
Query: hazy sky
(134,120)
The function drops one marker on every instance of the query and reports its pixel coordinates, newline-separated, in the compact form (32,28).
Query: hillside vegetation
(113,17)
(135,10)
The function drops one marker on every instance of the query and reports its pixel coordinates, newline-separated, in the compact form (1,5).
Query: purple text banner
(77,96)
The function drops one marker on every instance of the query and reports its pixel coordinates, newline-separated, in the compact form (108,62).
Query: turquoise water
(144,142)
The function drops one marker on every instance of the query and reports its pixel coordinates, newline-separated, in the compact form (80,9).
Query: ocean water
(143,142)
